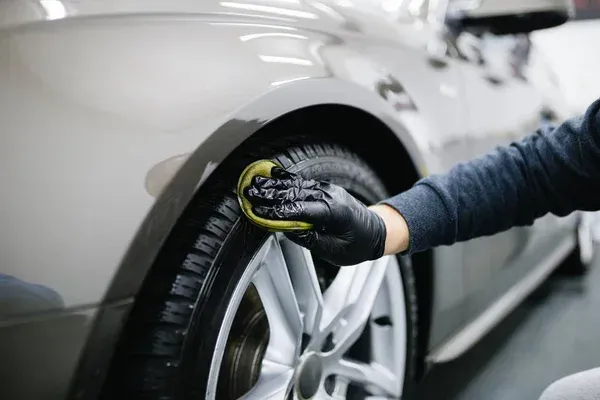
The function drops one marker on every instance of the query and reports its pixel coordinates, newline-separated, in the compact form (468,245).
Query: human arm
(552,171)
(397,233)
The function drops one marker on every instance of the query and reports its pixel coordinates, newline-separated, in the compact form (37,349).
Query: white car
(126,268)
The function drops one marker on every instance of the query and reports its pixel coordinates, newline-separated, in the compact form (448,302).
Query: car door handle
(437,63)
(494,80)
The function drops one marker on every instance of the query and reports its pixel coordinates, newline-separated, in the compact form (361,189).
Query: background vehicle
(125,126)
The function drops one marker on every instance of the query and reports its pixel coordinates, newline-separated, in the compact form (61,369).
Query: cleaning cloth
(263,168)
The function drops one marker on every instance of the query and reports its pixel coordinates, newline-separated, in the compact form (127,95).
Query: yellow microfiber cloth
(263,168)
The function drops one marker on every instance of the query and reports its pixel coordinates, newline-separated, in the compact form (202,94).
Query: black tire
(168,341)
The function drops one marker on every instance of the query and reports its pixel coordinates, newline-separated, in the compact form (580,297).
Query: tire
(580,260)
(169,338)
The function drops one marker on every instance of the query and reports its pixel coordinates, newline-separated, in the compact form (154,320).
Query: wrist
(397,234)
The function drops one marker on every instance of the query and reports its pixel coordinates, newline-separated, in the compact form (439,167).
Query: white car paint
(571,52)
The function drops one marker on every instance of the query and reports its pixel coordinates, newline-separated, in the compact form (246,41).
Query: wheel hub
(309,375)
(245,348)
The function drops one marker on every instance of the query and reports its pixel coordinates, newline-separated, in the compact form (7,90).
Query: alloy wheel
(288,332)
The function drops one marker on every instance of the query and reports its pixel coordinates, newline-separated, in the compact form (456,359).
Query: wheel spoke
(271,385)
(343,291)
(276,292)
(374,376)
(349,301)
(306,285)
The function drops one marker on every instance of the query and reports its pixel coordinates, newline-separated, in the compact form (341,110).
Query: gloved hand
(345,231)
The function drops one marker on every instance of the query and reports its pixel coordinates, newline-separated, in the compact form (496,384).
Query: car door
(501,107)
(416,64)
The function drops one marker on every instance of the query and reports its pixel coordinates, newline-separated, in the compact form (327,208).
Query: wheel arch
(316,103)
(341,107)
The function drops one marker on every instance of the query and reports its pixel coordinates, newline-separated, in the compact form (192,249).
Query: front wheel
(230,311)
(291,330)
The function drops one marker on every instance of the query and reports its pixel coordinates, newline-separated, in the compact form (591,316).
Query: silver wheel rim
(360,297)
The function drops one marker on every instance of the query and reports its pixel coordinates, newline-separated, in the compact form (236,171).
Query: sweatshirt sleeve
(551,171)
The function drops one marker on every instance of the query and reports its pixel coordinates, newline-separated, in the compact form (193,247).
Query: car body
(114,114)
(564,57)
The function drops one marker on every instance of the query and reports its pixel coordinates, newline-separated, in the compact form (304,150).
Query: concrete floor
(555,332)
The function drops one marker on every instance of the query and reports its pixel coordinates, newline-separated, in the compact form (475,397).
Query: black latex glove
(345,231)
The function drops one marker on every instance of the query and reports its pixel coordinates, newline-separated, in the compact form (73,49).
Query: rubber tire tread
(148,359)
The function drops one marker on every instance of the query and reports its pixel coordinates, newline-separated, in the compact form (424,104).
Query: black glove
(345,231)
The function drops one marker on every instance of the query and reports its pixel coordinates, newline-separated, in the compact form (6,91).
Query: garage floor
(552,334)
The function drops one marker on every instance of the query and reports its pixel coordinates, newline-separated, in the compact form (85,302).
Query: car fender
(110,125)
(196,167)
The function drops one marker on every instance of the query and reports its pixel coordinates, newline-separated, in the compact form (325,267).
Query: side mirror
(503,17)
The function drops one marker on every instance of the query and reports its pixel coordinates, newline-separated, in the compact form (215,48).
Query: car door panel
(500,109)
(435,91)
